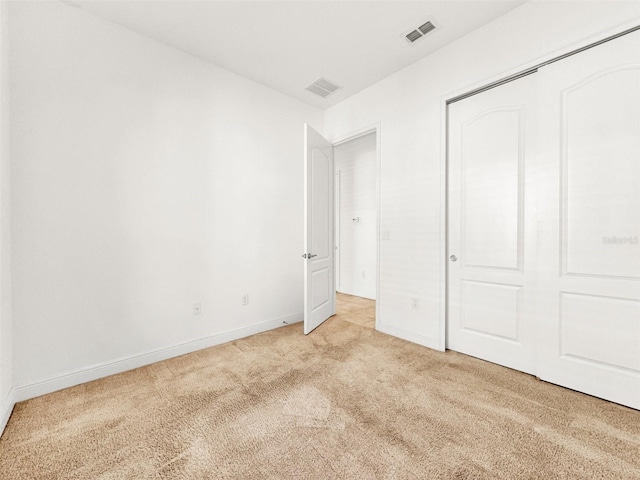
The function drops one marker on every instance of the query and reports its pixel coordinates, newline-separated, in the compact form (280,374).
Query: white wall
(409,106)
(5,234)
(355,162)
(143,180)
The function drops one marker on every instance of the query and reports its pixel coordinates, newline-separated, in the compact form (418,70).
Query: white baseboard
(6,407)
(429,342)
(94,372)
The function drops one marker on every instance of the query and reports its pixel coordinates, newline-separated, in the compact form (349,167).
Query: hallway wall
(356,167)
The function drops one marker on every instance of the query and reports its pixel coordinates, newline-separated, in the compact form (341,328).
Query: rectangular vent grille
(420,32)
(426,28)
(413,36)
(323,87)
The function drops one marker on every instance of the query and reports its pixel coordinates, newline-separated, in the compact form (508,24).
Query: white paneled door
(544,222)
(319,288)
(490,236)
(589,223)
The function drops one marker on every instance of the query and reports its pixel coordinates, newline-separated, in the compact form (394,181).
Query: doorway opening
(356,228)
(320,237)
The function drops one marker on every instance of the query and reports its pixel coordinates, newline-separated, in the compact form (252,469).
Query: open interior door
(319,288)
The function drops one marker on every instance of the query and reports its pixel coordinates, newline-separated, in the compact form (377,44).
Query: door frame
(336,221)
(353,135)
(475,88)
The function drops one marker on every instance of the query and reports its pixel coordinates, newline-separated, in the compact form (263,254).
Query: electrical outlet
(197,308)
(386,235)
(364,274)
(415,303)
(245,299)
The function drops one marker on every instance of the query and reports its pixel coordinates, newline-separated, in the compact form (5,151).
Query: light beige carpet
(345,402)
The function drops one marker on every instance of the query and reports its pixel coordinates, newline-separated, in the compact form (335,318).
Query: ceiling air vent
(426,28)
(420,32)
(413,36)
(323,87)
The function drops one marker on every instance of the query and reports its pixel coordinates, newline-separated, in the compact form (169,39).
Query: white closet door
(490,236)
(589,222)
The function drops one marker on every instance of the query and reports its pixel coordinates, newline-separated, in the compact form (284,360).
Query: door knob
(453,258)
(309,255)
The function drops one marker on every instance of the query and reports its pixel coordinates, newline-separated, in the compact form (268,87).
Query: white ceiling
(286,45)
